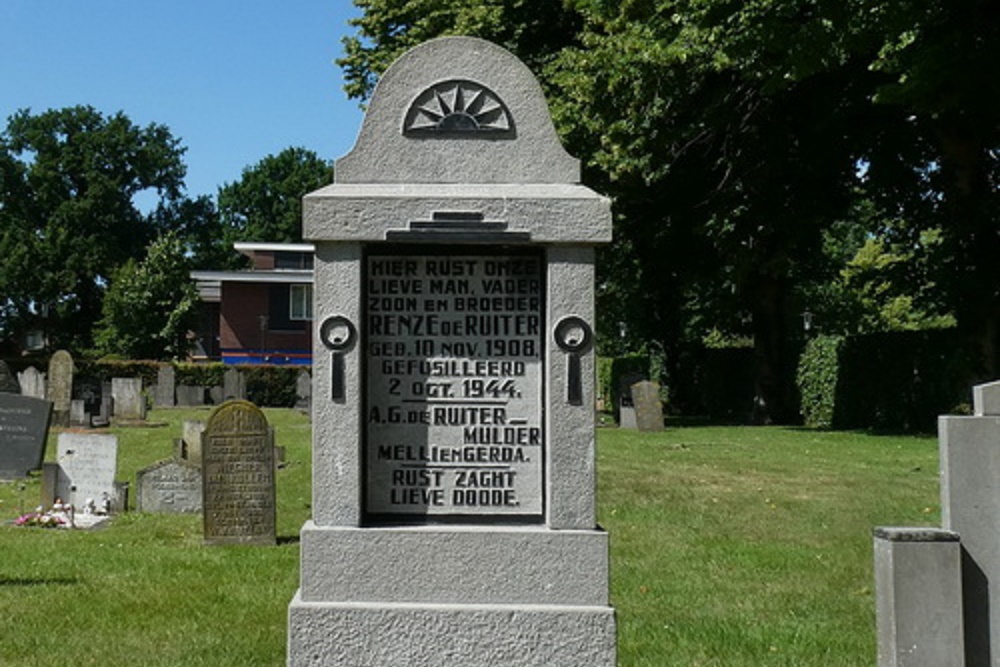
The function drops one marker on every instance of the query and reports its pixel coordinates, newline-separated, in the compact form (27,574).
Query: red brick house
(261,315)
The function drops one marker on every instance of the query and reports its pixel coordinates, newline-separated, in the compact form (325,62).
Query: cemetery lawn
(731,546)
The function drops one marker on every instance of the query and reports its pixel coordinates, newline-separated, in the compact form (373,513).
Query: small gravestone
(90,391)
(78,413)
(190,447)
(8,383)
(24,425)
(303,390)
(190,396)
(60,386)
(169,487)
(87,464)
(129,403)
(234,385)
(166,386)
(238,476)
(215,395)
(32,382)
(647,406)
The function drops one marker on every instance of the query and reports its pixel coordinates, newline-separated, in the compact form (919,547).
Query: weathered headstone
(238,476)
(234,384)
(24,426)
(60,386)
(166,386)
(647,406)
(8,383)
(90,390)
(87,464)
(190,396)
(78,413)
(454,518)
(303,390)
(32,382)
(169,487)
(129,402)
(191,432)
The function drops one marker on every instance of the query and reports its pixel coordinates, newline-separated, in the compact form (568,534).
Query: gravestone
(238,476)
(129,403)
(166,385)
(90,391)
(78,413)
(8,383)
(454,518)
(169,487)
(24,426)
(87,464)
(303,390)
(190,396)
(60,386)
(32,382)
(647,406)
(234,384)
(938,590)
(191,432)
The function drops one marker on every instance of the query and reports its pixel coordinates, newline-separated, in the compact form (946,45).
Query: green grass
(730,547)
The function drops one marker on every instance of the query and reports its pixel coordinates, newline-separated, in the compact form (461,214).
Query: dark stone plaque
(454,403)
(24,425)
(238,476)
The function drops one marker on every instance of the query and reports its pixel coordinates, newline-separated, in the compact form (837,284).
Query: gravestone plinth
(238,476)
(454,519)
(24,426)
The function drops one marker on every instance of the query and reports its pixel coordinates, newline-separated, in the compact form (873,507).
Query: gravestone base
(449,635)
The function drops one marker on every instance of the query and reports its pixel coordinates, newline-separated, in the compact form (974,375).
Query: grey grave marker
(238,476)
(234,384)
(169,487)
(303,390)
(453,404)
(191,432)
(60,386)
(24,426)
(87,464)
(647,406)
(129,402)
(32,382)
(190,396)
(166,386)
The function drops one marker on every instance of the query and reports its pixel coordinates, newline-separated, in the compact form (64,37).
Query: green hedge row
(890,381)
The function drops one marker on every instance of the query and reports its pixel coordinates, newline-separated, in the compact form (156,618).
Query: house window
(300,302)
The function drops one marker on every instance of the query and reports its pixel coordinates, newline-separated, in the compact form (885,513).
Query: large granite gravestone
(169,487)
(60,386)
(87,464)
(8,383)
(166,386)
(938,591)
(129,402)
(24,426)
(238,476)
(453,402)
(32,382)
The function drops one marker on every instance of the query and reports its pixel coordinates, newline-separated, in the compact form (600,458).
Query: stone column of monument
(454,519)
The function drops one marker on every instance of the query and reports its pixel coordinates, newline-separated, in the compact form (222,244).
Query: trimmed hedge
(817,380)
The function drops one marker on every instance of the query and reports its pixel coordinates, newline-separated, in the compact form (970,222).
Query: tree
(68,179)
(266,203)
(160,288)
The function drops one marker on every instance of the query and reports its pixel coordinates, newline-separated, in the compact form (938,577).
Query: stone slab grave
(238,476)
(189,447)
(164,395)
(234,384)
(84,476)
(60,386)
(938,590)
(647,406)
(170,487)
(454,519)
(128,400)
(24,427)
(32,382)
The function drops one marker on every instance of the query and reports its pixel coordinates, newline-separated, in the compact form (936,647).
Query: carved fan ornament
(458,107)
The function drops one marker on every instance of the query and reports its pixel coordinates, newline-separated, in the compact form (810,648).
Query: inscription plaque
(238,476)
(454,399)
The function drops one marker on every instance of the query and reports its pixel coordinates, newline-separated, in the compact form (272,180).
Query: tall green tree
(68,218)
(265,205)
(160,289)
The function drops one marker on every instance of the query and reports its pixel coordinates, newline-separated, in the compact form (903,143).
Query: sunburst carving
(458,107)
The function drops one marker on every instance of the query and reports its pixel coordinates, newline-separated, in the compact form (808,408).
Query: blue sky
(233,80)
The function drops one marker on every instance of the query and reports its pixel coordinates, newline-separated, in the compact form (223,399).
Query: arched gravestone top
(457,110)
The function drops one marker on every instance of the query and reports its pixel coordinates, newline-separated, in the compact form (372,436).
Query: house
(261,315)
